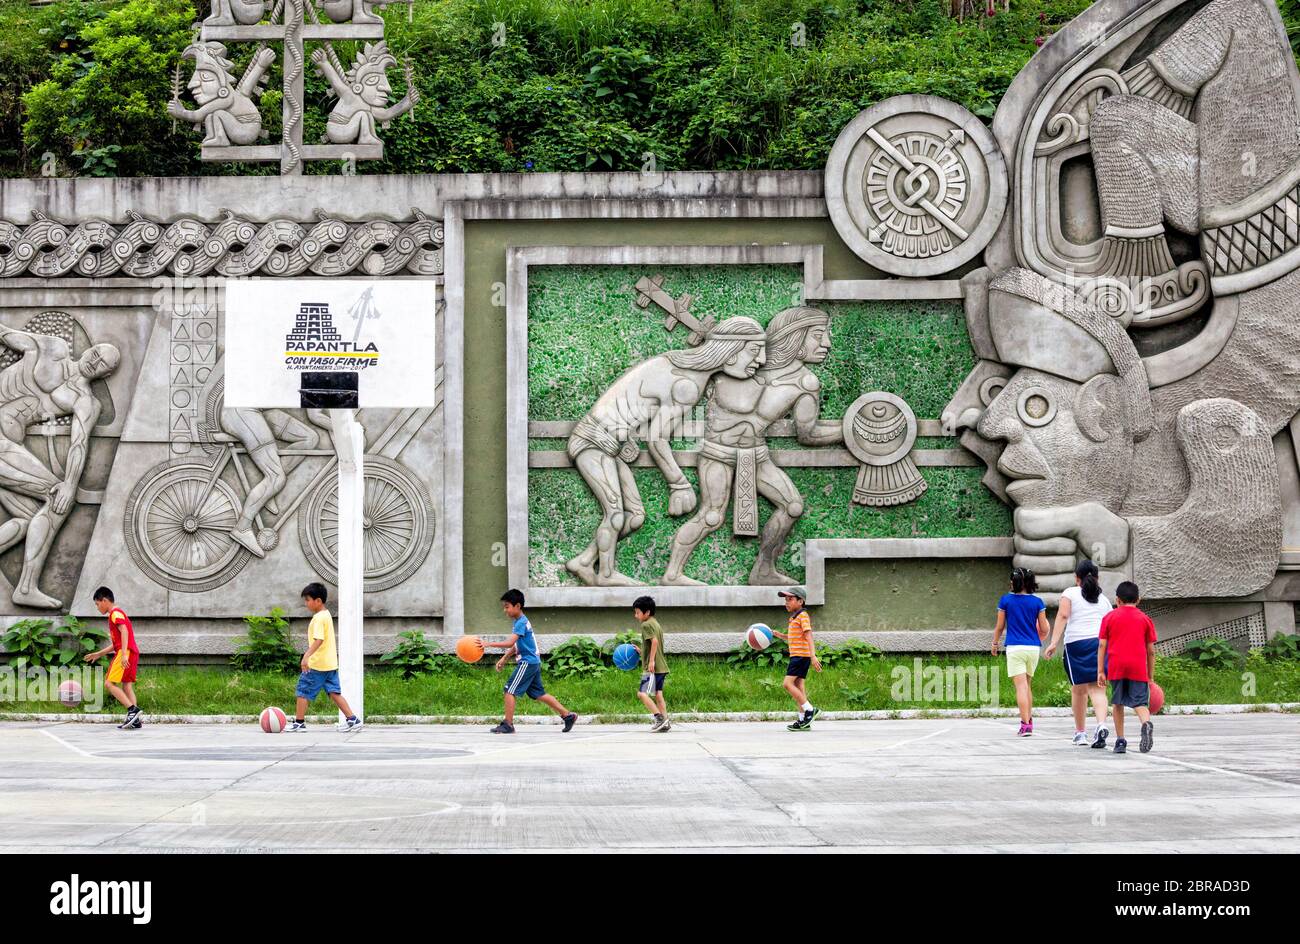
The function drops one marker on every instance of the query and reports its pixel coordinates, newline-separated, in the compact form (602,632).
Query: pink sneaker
(1025,730)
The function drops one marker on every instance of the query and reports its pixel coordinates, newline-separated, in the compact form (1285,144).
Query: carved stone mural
(1149,334)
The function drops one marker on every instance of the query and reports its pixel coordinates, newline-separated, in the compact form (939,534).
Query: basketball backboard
(330,343)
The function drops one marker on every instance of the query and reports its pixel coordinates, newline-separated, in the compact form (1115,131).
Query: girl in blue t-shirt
(1024,617)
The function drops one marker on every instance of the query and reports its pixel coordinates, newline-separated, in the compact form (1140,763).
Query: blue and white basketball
(626,657)
(759,636)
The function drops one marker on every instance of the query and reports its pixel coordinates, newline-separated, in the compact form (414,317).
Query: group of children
(1102,643)
(320,663)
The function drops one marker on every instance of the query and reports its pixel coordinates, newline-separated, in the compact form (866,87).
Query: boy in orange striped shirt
(802,655)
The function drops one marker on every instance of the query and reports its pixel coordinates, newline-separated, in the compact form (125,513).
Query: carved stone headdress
(373,57)
(211,56)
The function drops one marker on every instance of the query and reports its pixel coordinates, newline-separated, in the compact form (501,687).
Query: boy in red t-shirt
(120,680)
(1126,655)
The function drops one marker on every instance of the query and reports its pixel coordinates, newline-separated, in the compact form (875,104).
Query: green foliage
(850,653)
(36,642)
(1281,648)
(631,637)
(747,657)
(266,648)
(1212,653)
(579,656)
(414,655)
(568,85)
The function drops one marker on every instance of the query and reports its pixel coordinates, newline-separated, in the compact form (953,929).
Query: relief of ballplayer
(734,454)
(44,384)
(649,401)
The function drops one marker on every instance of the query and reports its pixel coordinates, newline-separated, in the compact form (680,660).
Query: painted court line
(1219,770)
(72,747)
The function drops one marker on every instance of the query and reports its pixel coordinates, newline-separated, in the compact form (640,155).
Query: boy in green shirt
(651,689)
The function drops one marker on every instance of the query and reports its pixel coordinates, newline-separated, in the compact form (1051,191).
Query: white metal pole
(350,443)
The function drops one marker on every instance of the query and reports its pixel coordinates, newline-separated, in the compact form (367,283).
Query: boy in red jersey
(121,671)
(1126,656)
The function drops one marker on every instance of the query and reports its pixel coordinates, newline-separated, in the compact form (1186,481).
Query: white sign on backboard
(300,342)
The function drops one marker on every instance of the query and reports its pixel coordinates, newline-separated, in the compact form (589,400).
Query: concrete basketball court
(1215,784)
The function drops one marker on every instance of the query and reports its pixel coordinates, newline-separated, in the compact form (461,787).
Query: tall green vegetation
(533,85)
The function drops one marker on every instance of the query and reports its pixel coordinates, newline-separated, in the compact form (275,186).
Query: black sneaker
(569,720)
(1148,737)
(1121,746)
(800,725)
(1099,739)
(504,728)
(133,710)
(296,725)
(128,722)
(809,715)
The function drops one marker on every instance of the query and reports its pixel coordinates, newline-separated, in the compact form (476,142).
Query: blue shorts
(313,680)
(526,679)
(1081,661)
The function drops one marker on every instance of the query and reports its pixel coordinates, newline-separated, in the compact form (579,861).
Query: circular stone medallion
(879,428)
(916,185)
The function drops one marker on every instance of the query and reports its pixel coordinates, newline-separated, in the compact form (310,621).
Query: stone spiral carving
(232,247)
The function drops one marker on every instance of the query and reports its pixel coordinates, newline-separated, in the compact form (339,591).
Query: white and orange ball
(273,720)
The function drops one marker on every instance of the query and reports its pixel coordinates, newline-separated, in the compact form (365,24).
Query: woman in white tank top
(1078,622)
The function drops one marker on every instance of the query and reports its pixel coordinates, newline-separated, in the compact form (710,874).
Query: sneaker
(809,715)
(350,724)
(297,726)
(1025,730)
(800,725)
(133,723)
(1099,739)
(1121,746)
(569,720)
(133,710)
(1148,736)
(504,728)
(665,726)
(658,723)
(127,722)
(1080,739)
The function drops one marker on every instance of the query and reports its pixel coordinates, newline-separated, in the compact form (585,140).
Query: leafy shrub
(34,641)
(1281,648)
(266,648)
(778,653)
(631,637)
(853,652)
(1212,652)
(579,656)
(414,655)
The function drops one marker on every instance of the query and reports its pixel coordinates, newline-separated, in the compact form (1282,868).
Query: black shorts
(650,684)
(799,666)
(1130,693)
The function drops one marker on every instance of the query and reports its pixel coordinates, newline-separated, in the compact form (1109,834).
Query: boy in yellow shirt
(320,663)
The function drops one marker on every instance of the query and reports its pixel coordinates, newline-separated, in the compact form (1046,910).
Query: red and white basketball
(70,693)
(759,636)
(273,720)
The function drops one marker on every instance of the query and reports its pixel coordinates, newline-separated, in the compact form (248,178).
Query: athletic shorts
(312,681)
(119,673)
(526,679)
(1081,661)
(1022,660)
(799,666)
(652,683)
(1130,693)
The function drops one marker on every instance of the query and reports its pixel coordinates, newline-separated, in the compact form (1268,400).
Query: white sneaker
(1080,739)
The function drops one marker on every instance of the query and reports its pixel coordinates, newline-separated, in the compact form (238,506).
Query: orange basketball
(469,649)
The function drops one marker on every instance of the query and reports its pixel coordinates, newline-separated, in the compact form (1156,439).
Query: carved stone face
(1066,443)
(99,361)
(747,361)
(375,88)
(816,345)
(206,85)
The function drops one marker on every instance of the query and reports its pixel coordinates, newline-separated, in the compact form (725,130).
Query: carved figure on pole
(363,95)
(649,401)
(227,111)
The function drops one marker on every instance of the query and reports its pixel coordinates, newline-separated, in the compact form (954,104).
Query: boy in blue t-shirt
(527,676)
(1024,617)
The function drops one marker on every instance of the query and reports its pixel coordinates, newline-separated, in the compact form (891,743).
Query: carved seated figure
(227,111)
(362,95)
(231,12)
